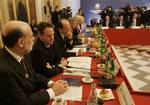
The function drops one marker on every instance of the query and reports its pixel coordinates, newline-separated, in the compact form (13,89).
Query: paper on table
(81,46)
(105,27)
(136,27)
(73,93)
(76,50)
(119,27)
(75,71)
(80,65)
(80,59)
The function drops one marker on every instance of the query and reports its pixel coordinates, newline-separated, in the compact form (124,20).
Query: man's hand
(80,52)
(63,62)
(69,35)
(59,87)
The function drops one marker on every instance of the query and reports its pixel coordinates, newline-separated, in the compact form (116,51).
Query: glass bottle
(102,49)
(92,99)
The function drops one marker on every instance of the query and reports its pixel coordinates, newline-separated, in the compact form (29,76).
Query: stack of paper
(119,27)
(81,46)
(80,63)
(76,50)
(72,93)
(78,66)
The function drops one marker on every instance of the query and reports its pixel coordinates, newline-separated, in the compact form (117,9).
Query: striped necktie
(25,68)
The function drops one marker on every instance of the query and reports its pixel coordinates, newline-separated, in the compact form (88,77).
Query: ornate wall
(32,9)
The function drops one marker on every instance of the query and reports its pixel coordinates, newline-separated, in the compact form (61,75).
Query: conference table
(115,37)
(86,86)
(131,37)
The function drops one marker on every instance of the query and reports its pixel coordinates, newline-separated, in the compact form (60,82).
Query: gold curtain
(1,42)
(56,2)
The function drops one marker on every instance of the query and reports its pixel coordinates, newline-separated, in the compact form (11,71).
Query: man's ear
(21,42)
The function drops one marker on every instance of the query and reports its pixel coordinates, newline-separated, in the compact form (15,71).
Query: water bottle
(92,99)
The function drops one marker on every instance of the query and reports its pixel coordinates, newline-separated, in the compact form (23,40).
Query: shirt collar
(47,46)
(62,35)
(18,58)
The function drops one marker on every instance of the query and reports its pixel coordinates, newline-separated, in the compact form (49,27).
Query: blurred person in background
(80,12)
(56,15)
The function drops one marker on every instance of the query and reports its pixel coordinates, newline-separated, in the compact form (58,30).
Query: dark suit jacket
(111,23)
(144,18)
(34,29)
(118,23)
(137,22)
(40,55)
(55,17)
(76,41)
(15,88)
(63,45)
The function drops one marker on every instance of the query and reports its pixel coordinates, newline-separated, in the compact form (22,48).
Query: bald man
(61,38)
(19,84)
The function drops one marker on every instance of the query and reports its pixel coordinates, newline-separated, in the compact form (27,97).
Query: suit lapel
(29,68)
(61,40)
(16,66)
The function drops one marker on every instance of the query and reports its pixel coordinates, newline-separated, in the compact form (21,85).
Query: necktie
(25,68)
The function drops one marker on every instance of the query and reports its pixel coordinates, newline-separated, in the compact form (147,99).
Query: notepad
(73,81)
(72,93)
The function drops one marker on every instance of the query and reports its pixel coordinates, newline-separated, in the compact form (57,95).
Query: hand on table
(81,51)
(59,87)
(63,62)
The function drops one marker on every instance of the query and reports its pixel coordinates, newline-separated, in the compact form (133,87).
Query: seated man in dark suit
(120,21)
(44,56)
(19,84)
(108,22)
(61,38)
(73,24)
(56,15)
(134,21)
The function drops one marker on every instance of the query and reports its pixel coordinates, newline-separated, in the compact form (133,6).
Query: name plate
(105,27)
(136,27)
(124,95)
(120,27)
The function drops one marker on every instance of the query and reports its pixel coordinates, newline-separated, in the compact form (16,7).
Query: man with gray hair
(19,84)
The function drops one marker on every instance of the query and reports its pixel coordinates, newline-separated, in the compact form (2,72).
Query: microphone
(78,67)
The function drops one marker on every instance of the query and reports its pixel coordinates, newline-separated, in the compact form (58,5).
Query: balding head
(80,19)
(73,22)
(12,25)
(64,26)
(17,35)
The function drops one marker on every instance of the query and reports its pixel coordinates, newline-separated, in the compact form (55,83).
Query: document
(76,50)
(85,66)
(72,93)
(80,59)
(79,63)
(72,81)
(120,27)
(75,71)
(105,27)
(81,46)
(136,27)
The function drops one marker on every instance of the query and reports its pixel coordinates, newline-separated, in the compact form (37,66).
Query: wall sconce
(97,6)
